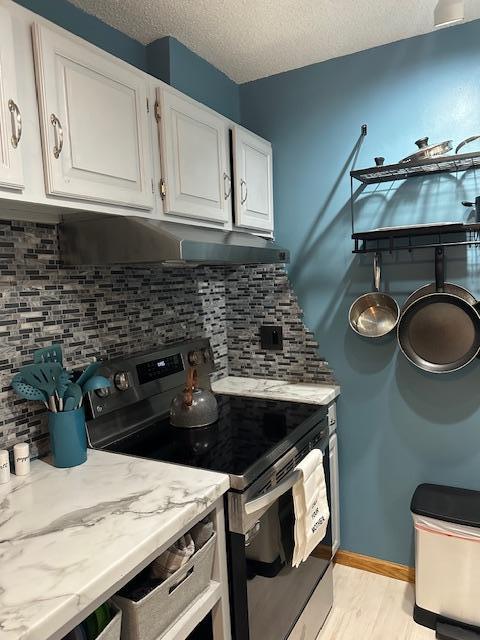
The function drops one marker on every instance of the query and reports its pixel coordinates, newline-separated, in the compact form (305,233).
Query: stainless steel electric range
(257,443)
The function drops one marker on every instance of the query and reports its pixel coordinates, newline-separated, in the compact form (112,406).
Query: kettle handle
(190,385)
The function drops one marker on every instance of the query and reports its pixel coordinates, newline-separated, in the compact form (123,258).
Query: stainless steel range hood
(127,240)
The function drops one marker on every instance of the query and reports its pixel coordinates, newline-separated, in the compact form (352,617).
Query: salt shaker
(4,466)
(21,455)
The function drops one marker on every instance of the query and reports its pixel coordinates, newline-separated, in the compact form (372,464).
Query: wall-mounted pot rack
(419,237)
(428,167)
(416,236)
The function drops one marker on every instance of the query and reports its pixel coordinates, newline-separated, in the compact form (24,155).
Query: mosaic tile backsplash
(113,311)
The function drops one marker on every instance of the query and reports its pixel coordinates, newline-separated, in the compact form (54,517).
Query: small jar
(4,466)
(21,456)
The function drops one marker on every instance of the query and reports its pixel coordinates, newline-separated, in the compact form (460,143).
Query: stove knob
(103,392)
(194,358)
(121,381)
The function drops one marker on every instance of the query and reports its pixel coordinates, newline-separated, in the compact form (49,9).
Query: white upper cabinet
(194,153)
(94,123)
(11,170)
(253,183)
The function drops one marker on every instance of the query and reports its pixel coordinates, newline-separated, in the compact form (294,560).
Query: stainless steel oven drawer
(316,610)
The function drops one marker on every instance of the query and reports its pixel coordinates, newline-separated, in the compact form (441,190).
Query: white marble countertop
(69,535)
(277,390)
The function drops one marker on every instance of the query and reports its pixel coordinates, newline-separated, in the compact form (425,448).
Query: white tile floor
(371,607)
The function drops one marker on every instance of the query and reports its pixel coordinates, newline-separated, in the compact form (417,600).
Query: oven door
(268,594)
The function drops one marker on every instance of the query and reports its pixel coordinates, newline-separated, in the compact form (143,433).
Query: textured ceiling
(250,39)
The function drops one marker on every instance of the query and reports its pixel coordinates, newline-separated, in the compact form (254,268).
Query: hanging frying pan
(439,332)
(427,289)
(375,314)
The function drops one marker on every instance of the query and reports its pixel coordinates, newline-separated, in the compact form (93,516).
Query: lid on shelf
(461,506)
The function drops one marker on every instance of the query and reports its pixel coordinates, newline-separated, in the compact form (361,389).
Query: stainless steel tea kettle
(194,407)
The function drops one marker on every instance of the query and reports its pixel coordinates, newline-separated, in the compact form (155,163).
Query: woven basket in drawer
(151,616)
(113,628)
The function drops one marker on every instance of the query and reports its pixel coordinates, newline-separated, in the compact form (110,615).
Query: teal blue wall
(158,59)
(82,24)
(172,62)
(202,81)
(166,58)
(398,425)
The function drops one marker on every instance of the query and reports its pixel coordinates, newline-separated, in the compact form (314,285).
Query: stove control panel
(159,368)
(154,377)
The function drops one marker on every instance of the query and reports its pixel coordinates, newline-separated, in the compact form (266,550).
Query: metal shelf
(416,237)
(404,170)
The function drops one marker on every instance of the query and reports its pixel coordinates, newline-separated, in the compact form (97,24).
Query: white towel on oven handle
(311,506)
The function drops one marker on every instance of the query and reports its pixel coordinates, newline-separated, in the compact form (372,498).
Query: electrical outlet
(271,337)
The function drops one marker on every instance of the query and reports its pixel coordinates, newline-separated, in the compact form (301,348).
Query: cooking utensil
(427,289)
(97,382)
(45,377)
(28,392)
(194,407)
(70,404)
(439,332)
(374,315)
(62,385)
(88,373)
(429,150)
(74,391)
(466,141)
(53,353)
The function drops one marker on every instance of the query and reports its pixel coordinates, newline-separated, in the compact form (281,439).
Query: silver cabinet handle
(227,192)
(243,191)
(16,123)
(271,496)
(58,130)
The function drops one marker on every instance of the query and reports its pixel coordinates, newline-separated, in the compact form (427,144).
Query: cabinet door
(252,161)
(335,493)
(11,170)
(93,115)
(194,150)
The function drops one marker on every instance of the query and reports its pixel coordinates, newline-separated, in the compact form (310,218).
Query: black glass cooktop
(248,430)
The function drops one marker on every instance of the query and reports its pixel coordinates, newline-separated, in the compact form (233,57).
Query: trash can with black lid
(447,559)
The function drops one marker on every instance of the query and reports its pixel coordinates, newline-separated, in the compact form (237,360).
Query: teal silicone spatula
(73,392)
(28,392)
(53,353)
(44,377)
(88,373)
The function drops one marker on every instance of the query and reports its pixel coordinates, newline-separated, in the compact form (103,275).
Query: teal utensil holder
(68,437)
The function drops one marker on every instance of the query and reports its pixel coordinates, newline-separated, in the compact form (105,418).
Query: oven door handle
(267,499)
